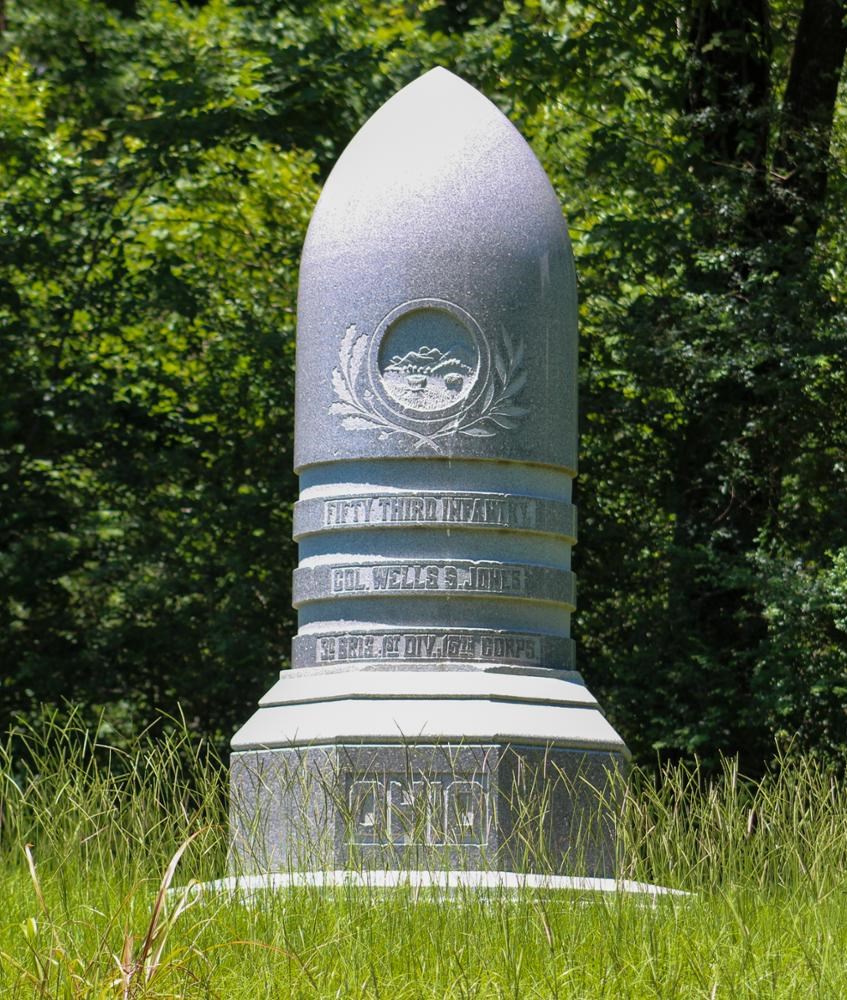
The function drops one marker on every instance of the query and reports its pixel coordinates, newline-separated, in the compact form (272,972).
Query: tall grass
(90,837)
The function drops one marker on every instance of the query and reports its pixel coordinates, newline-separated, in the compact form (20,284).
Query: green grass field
(764,863)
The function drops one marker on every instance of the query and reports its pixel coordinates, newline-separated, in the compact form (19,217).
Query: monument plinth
(433,714)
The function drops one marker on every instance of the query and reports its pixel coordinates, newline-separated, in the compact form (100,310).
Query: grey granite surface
(436,442)
(458,806)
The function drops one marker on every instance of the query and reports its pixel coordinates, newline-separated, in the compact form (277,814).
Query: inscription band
(422,645)
(484,579)
(409,509)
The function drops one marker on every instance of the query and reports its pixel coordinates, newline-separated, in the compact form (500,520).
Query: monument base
(458,806)
(427,885)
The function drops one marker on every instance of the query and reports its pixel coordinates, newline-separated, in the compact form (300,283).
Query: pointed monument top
(438,138)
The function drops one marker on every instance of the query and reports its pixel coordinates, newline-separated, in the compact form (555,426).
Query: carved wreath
(497,410)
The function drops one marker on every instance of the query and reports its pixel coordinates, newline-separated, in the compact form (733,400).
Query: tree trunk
(729,81)
(802,159)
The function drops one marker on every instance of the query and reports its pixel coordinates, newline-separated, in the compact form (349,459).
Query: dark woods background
(159,164)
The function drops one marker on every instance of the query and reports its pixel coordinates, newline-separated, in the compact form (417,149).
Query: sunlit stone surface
(433,712)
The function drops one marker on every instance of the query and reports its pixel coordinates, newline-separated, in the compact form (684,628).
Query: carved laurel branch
(498,409)
(498,406)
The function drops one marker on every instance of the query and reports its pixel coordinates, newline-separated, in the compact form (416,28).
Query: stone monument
(433,715)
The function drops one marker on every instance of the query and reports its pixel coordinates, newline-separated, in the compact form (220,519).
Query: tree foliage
(159,165)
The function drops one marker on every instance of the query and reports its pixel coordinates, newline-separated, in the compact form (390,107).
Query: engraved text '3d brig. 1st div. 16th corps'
(433,715)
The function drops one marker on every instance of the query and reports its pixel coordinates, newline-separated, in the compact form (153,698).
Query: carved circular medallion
(428,360)
(426,373)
